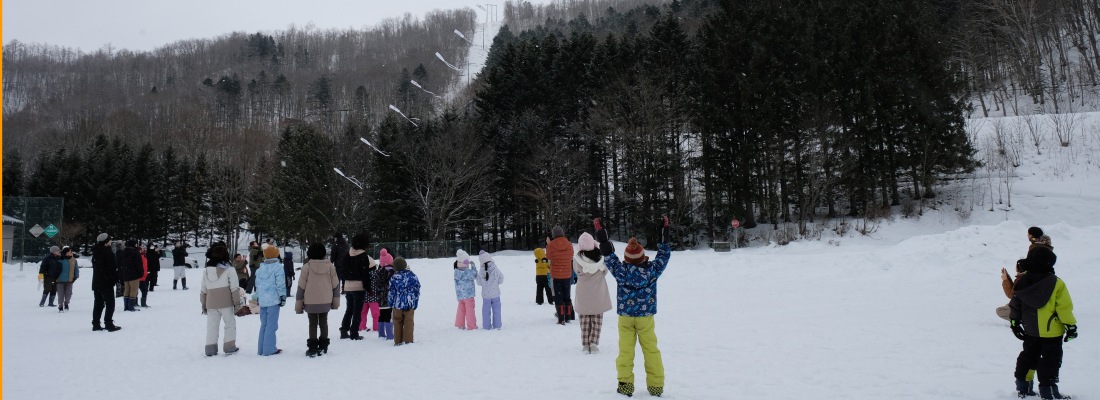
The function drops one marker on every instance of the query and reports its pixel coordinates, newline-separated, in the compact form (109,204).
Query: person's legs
(486,310)
(269,323)
(143,287)
(471,315)
(98,303)
(410,326)
(398,326)
(312,325)
(212,324)
(322,325)
(229,342)
(654,366)
(597,326)
(353,326)
(1050,360)
(498,320)
(460,315)
(540,287)
(586,330)
(624,363)
(1028,358)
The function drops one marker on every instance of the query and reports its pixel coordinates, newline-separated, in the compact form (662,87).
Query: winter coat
(132,269)
(153,257)
(356,270)
(560,253)
(318,288)
(542,264)
(404,290)
(219,288)
(144,266)
(104,274)
(372,295)
(50,267)
(241,268)
(1042,304)
(270,283)
(339,251)
(68,270)
(490,286)
(637,292)
(380,283)
(179,256)
(464,282)
(255,257)
(592,295)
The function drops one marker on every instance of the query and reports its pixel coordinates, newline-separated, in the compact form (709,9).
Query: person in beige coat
(318,293)
(220,302)
(593,298)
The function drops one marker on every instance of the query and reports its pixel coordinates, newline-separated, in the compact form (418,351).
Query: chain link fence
(31,226)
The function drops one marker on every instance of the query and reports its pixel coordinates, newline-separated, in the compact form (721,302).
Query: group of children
(1040,313)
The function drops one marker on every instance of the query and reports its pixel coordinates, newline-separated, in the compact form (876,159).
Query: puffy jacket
(637,292)
(179,256)
(153,257)
(490,285)
(219,288)
(318,288)
(560,252)
(104,274)
(144,266)
(592,294)
(542,264)
(380,282)
(356,270)
(131,264)
(68,270)
(270,283)
(464,282)
(50,267)
(404,290)
(1042,304)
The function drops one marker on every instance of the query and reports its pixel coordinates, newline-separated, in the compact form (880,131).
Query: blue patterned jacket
(464,282)
(637,292)
(404,290)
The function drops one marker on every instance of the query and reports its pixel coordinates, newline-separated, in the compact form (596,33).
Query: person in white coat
(593,298)
(219,301)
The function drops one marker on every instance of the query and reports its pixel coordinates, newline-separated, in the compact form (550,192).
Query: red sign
(735,223)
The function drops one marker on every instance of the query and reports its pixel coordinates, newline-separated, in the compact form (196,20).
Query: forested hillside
(777,113)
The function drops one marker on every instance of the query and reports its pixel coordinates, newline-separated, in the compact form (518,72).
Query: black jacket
(153,256)
(355,268)
(50,267)
(104,275)
(178,255)
(131,264)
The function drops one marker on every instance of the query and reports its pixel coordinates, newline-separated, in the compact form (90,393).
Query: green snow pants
(639,329)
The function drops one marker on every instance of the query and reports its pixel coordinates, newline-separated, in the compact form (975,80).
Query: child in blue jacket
(404,296)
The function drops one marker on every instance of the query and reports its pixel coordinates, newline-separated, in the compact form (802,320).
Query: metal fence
(35,223)
(426,249)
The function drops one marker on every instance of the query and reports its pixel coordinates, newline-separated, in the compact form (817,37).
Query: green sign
(51,231)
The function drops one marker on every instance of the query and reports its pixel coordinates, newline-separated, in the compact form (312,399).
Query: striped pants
(591,325)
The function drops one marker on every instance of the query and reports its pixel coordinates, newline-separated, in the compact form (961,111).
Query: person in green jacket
(1042,317)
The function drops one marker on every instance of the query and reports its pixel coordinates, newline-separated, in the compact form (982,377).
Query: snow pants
(214,318)
(639,330)
(403,326)
(353,312)
(1044,355)
(542,285)
(64,294)
(465,317)
(269,323)
(490,313)
(368,309)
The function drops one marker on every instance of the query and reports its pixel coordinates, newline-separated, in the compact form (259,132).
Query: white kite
(374,147)
(403,115)
(350,179)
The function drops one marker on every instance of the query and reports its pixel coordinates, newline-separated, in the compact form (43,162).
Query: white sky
(148,24)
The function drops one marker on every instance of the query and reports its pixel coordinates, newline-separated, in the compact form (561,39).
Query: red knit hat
(634,254)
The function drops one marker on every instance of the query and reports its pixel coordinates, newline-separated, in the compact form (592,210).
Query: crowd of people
(378,294)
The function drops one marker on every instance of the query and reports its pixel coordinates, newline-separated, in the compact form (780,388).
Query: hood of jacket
(212,273)
(589,266)
(1034,289)
(320,267)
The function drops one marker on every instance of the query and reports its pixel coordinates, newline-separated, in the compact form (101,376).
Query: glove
(204,311)
(40,276)
(282,301)
(662,227)
(1018,330)
(606,248)
(1071,332)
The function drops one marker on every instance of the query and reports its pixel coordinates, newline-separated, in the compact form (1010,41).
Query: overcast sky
(148,24)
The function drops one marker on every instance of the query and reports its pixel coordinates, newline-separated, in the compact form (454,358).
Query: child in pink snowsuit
(370,303)
(465,273)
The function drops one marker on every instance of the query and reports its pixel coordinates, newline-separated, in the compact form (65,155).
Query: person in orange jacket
(560,252)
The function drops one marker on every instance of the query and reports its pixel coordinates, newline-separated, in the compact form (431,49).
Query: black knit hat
(1041,259)
(361,241)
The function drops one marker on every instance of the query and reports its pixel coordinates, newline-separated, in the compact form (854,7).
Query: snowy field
(904,313)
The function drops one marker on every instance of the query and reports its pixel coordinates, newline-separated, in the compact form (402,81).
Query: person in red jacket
(560,252)
(143,283)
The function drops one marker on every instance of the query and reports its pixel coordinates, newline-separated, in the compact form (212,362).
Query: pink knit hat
(586,242)
(384,258)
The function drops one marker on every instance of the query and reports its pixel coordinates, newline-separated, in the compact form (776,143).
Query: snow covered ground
(905,313)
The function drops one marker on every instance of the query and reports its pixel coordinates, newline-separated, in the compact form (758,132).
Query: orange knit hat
(635,254)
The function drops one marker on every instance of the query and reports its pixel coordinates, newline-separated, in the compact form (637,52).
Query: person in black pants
(104,277)
(356,277)
(153,254)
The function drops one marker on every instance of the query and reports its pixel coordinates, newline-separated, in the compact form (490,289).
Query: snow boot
(143,305)
(42,303)
(626,389)
(1051,392)
(312,351)
(52,296)
(655,391)
(96,326)
(174,282)
(322,345)
(111,327)
(1025,388)
(354,335)
(389,331)
(344,333)
(184,281)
